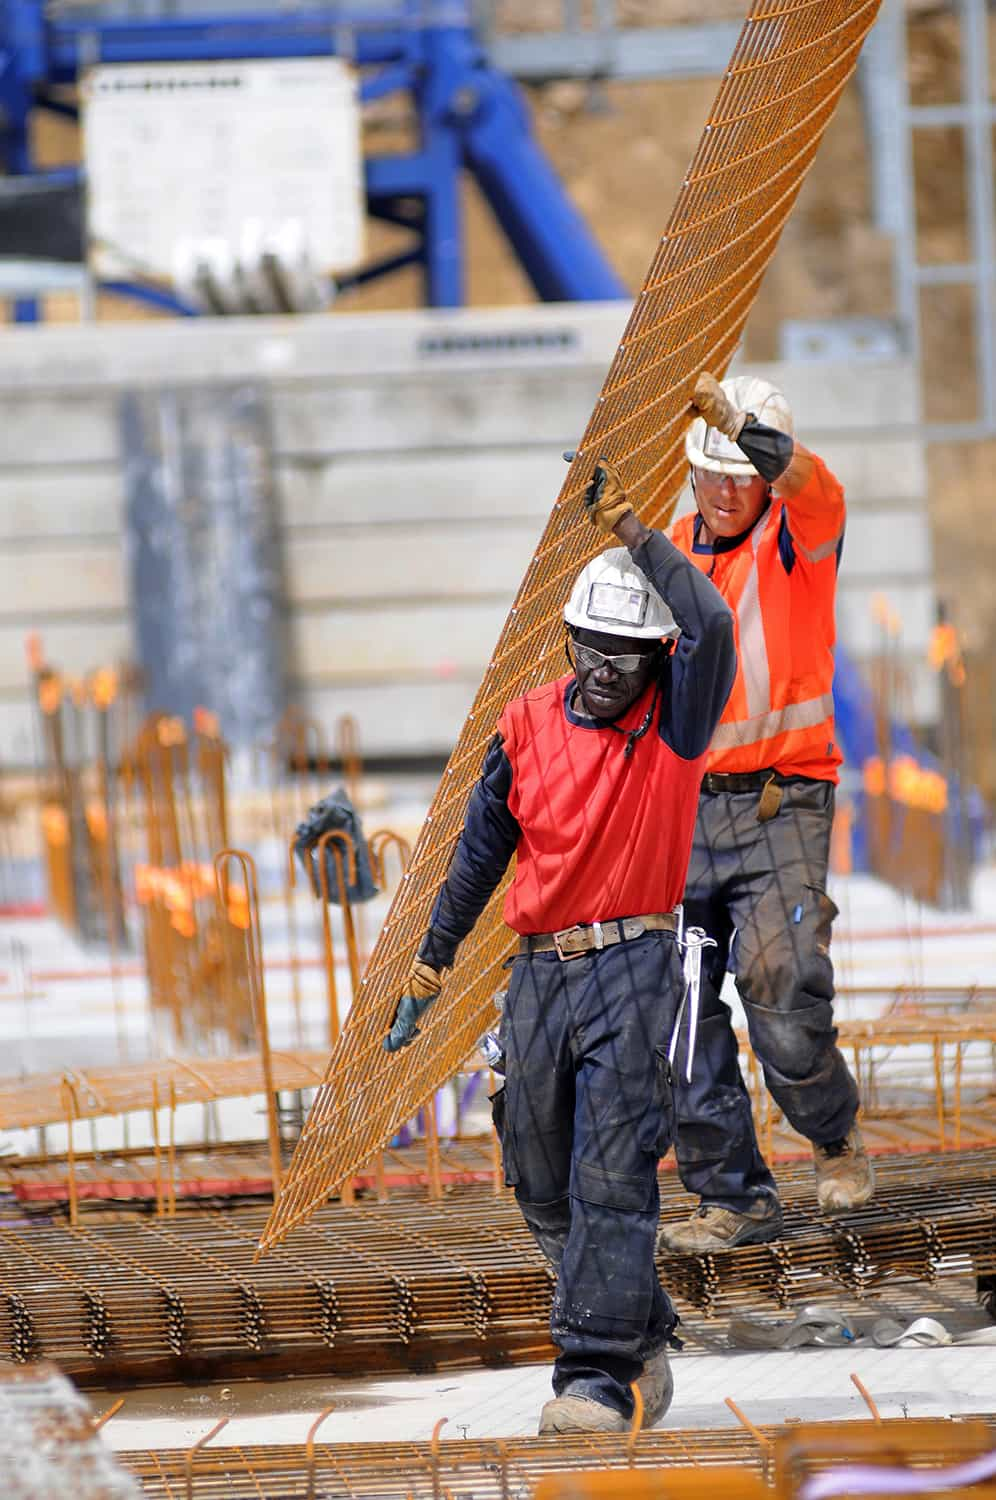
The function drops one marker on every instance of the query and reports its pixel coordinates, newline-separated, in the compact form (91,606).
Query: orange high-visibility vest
(780,581)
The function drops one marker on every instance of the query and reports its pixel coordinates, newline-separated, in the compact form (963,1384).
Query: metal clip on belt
(693,940)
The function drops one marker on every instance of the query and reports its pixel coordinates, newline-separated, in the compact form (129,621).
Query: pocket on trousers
(608,1189)
(499,1110)
(826,914)
(663,1102)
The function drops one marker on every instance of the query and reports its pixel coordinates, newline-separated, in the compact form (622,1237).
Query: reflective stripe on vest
(750,631)
(767,726)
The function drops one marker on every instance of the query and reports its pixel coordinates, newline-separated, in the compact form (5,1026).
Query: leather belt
(575,942)
(748,781)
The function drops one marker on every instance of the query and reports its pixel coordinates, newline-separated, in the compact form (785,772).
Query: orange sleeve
(816,512)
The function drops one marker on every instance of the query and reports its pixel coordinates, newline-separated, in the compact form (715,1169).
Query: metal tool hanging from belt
(691,941)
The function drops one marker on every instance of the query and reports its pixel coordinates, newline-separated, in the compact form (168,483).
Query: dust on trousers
(584,1118)
(759,889)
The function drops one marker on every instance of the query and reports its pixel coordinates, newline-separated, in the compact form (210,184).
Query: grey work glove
(421,988)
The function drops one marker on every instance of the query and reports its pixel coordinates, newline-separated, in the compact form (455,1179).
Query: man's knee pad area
(793,1042)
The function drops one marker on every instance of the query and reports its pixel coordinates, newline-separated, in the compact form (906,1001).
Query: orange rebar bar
(344,854)
(156,1146)
(112,1411)
(320,888)
(378,843)
(755,1432)
(71,1115)
(309,1449)
(863,1392)
(171,1149)
(348,745)
(939,1090)
(257,987)
(290,908)
(432,1149)
(189,1456)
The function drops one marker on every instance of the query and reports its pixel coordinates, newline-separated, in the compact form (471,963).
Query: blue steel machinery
(470,117)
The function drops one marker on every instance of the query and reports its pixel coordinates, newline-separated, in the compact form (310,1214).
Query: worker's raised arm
(483,850)
(704,662)
(813,497)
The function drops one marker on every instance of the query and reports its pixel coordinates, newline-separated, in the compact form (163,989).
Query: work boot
(569,1413)
(656,1386)
(714,1228)
(844,1176)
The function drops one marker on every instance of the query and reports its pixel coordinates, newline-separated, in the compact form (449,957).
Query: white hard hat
(613,596)
(708,448)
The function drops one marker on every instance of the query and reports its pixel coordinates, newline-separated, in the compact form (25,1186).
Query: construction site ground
(59,1008)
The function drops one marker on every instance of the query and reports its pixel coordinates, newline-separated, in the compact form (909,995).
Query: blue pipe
(551,238)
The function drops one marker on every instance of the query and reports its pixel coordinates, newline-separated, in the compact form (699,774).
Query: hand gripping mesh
(777,96)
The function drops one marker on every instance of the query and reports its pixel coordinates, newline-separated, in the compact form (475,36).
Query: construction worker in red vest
(591,782)
(768,532)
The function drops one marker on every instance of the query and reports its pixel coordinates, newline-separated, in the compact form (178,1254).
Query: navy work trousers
(585,1117)
(759,889)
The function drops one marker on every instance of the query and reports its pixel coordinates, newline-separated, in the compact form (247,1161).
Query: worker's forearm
(631,531)
(485,846)
(704,661)
(797,475)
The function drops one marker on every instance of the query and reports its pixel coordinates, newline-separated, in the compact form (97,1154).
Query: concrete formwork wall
(416,456)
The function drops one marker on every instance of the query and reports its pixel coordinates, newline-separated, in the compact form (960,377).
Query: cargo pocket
(825,914)
(663,1102)
(609,1189)
(499,1109)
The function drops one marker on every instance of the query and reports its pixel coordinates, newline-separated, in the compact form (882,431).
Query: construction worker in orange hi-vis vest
(768,532)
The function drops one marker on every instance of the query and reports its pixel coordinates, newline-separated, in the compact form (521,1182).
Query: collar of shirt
(723,543)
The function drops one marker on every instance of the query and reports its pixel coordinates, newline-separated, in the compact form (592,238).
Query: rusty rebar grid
(240,1170)
(394,1286)
(40,1099)
(493,1469)
(776,98)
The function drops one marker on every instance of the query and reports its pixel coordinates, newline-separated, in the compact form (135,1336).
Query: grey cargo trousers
(759,889)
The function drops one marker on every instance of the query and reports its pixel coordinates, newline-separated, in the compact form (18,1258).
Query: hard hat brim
(733,466)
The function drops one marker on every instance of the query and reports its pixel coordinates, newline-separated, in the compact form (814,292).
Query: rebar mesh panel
(492,1470)
(391,1286)
(777,96)
(48,1098)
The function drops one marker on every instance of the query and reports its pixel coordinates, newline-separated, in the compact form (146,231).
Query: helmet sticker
(717,445)
(616,605)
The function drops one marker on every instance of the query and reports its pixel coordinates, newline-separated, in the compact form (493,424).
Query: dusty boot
(569,1413)
(844,1176)
(656,1386)
(714,1228)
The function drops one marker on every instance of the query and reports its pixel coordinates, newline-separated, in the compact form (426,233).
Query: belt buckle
(565,958)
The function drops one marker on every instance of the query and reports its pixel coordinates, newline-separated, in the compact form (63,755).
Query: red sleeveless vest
(603,836)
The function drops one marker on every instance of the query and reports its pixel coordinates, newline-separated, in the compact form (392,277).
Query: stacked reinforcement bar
(407,1284)
(494,1470)
(50,1098)
(778,94)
